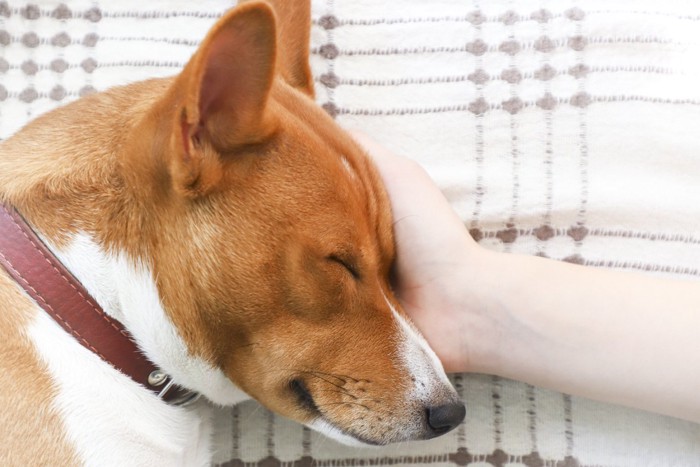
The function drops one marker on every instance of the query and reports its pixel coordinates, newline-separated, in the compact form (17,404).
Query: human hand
(436,256)
(596,333)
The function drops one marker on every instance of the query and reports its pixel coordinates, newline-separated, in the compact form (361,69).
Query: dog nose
(444,418)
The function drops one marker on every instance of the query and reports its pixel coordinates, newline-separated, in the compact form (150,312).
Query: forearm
(611,336)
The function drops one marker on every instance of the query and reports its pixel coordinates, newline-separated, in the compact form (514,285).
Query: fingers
(410,188)
(426,227)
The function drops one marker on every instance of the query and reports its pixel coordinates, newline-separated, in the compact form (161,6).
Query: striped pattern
(565,129)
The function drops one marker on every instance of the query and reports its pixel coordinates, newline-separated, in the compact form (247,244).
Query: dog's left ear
(221,97)
(293,42)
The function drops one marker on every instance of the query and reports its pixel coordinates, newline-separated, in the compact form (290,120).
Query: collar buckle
(171,392)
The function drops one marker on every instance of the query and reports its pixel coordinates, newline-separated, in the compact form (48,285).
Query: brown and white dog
(242,238)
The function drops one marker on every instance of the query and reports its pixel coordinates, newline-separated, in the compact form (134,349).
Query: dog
(243,240)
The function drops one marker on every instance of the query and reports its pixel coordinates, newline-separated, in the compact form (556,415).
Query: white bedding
(567,129)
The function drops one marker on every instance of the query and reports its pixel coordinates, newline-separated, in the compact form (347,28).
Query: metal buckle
(181,398)
(184,399)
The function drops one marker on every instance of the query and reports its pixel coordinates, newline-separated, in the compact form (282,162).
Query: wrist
(476,314)
(492,331)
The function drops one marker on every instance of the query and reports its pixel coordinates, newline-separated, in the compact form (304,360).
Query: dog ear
(293,42)
(222,96)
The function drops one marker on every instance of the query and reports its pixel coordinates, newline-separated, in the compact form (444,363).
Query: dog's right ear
(293,42)
(221,97)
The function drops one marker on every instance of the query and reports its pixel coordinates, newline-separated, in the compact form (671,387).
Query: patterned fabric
(564,129)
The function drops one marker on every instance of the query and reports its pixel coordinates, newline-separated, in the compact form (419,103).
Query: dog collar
(32,265)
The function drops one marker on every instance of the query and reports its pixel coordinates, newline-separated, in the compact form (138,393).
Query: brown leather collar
(58,292)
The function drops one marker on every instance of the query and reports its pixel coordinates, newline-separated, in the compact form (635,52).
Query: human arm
(612,336)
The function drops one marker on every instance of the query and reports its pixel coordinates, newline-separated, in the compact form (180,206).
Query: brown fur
(28,422)
(228,182)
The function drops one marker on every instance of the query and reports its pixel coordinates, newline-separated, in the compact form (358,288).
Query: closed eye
(351,268)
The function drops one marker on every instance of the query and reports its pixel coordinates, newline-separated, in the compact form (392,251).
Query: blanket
(560,128)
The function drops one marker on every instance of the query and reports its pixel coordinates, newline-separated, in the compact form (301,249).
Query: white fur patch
(128,292)
(420,360)
(110,419)
(326,429)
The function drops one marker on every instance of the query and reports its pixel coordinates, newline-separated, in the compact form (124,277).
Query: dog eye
(351,268)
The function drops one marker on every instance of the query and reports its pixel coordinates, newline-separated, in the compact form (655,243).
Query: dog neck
(128,293)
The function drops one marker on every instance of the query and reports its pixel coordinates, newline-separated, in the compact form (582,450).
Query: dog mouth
(304,397)
(430,422)
(306,401)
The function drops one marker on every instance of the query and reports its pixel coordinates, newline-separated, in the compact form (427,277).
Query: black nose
(444,418)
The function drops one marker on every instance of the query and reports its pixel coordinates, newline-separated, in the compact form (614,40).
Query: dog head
(279,247)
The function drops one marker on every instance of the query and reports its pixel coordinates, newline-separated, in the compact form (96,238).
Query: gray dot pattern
(328,22)
(86,91)
(329,80)
(30,12)
(58,93)
(93,15)
(28,95)
(46,52)
(478,77)
(511,75)
(541,16)
(61,40)
(62,12)
(544,44)
(59,65)
(90,40)
(30,67)
(31,40)
(545,73)
(89,65)
(477,47)
(476,18)
(547,102)
(329,51)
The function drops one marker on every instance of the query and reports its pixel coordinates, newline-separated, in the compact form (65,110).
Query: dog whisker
(354,398)
(346,393)
(343,403)
(331,383)
(338,376)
